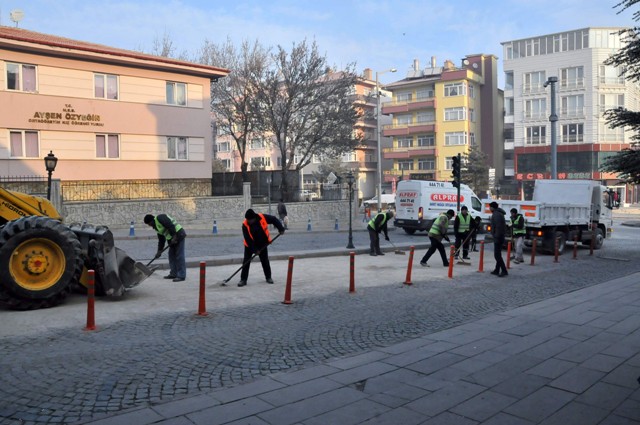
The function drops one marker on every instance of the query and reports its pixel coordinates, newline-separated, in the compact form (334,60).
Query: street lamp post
(50,162)
(553,118)
(378,136)
(350,180)
(269,192)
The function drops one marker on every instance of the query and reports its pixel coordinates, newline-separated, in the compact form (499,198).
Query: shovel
(224,282)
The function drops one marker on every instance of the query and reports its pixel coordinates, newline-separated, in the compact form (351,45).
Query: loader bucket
(115,270)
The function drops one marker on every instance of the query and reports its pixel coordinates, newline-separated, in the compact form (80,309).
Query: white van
(419,202)
(388,202)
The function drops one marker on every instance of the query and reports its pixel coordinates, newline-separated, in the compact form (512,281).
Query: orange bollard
(555,250)
(533,251)
(352,272)
(91,299)
(407,280)
(575,247)
(451,254)
(481,261)
(202,308)
(509,255)
(593,239)
(287,291)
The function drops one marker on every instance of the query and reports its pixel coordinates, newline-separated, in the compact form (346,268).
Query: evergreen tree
(475,170)
(627,161)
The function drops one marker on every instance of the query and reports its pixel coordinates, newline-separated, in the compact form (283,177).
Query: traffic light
(455,174)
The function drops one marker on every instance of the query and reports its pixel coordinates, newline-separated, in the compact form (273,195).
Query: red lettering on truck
(445,197)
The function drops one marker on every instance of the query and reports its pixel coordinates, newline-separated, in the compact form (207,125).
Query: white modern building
(586,88)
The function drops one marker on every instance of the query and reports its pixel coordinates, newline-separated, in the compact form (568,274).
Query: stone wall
(199,211)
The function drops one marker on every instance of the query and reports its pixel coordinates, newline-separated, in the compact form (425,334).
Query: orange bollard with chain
(509,255)
(452,252)
(202,307)
(533,251)
(352,272)
(481,261)
(407,280)
(287,291)
(91,299)
(575,247)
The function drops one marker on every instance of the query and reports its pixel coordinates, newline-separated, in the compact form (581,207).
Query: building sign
(561,176)
(68,116)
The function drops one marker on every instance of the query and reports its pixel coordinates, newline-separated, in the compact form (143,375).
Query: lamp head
(50,162)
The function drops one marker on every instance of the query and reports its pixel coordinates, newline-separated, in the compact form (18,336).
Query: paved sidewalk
(571,359)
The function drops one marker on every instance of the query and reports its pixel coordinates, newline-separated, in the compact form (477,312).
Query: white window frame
(426,140)
(572,106)
(224,147)
(106,78)
(405,165)
(404,119)
(455,89)
(257,143)
(572,77)
(455,138)
(23,143)
(535,108)
(349,157)
(405,142)
(426,164)
(174,86)
(472,90)
(576,137)
(261,161)
(426,116)
(532,139)
(533,82)
(21,67)
(458,113)
(173,143)
(108,138)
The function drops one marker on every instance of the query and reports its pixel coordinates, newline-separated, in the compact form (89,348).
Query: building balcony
(535,115)
(362,99)
(611,81)
(407,129)
(396,107)
(508,144)
(572,113)
(408,152)
(533,89)
(574,84)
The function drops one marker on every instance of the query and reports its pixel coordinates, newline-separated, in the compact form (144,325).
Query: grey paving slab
(624,376)
(602,362)
(527,328)
(141,416)
(627,325)
(185,405)
(551,368)
(229,412)
(181,420)
(359,373)
(540,405)
(358,360)
(445,398)
(448,418)
(409,357)
(436,362)
(505,419)
(405,346)
(582,351)
(484,405)
(397,416)
(576,413)
(477,346)
(629,409)
(604,395)
(504,370)
(388,381)
(297,392)
(584,332)
(260,386)
(306,374)
(251,420)
(577,380)
(521,385)
(551,347)
(351,414)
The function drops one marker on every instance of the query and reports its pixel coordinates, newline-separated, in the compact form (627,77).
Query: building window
(403,119)
(224,147)
(455,138)
(509,106)
(424,141)
(508,80)
(536,135)
(611,75)
(405,143)
(227,164)
(572,106)
(608,134)
(455,89)
(105,86)
(572,78)
(257,144)
(24,144)
(428,116)
(472,91)
(455,114)
(426,164)
(405,165)
(404,97)
(349,157)
(426,93)
(573,133)
(472,115)
(177,148)
(176,93)
(260,162)
(107,146)
(611,101)
(534,82)
(21,77)
(448,163)
(535,108)
(472,139)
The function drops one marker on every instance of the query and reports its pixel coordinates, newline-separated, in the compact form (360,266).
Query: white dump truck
(564,210)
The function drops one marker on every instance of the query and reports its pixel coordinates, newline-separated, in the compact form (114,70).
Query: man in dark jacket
(498,230)
(170,231)
(376,225)
(255,230)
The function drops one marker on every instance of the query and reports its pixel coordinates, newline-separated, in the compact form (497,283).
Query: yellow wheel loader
(42,259)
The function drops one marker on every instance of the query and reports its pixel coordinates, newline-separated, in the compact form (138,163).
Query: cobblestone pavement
(64,376)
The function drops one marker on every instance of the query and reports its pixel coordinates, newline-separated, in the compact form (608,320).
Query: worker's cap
(451,213)
(493,204)
(148,219)
(250,214)
(514,211)
(390,213)
(464,208)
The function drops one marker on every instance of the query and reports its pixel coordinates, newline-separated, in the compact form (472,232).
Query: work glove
(158,254)
(386,238)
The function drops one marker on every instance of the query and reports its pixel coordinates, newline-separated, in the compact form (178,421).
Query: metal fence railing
(34,185)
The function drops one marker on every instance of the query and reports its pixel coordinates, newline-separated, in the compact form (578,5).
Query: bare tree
(475,169)
(233,98)
(306,107)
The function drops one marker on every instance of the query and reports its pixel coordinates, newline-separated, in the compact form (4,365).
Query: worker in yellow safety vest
(518,232)
(376,225)
(438,232)
(462,230)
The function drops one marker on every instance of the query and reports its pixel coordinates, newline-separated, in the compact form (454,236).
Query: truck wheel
(39,259)
(562,243)
(599,239)
(409,231)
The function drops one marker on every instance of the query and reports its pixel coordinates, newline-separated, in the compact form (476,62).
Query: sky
(375,34)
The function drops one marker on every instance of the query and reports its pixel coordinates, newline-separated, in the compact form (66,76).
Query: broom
(397,251)
(461,260)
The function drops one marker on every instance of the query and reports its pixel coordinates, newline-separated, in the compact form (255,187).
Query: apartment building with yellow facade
(106,113)
(441,111)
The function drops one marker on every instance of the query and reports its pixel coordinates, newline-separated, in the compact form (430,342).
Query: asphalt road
(151,347)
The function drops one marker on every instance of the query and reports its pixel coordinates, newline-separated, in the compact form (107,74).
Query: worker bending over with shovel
(255,230)
(376,225)
(438,232)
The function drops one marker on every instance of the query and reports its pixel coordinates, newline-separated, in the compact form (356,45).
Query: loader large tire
(39,260)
